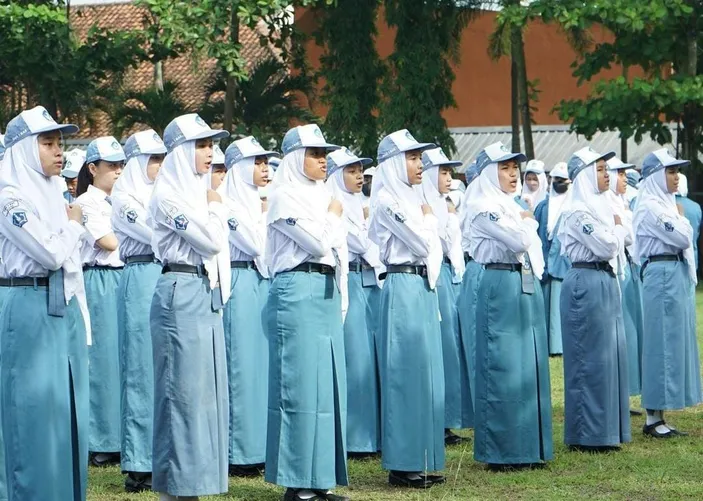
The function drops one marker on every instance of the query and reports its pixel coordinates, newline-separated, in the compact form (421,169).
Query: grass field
(645,469)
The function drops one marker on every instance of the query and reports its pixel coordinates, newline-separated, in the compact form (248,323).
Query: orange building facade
(482,86)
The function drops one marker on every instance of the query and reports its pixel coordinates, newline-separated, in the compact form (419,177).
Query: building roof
(553,143)
(192,81)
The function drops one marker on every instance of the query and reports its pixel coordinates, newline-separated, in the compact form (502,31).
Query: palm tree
(150,107)
(264,104)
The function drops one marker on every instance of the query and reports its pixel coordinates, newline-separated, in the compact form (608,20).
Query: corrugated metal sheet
(552,143)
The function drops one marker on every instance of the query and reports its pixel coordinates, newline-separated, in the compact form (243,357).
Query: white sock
(654,417)
(306,494)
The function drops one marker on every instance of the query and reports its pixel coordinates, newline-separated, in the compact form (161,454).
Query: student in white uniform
(191,406)
(73,162)
(671,377)
(44,370)
(345,180)
(409,339)
(217,169)
(366,188)
(436,183)
(130,198)
(103,268)
(245,336)
(308,260)
(536,186)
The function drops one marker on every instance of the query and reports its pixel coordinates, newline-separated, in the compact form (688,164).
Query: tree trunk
(688,144)
(514,107)
(231,86)
(623,139)
(159,76)
(518,55)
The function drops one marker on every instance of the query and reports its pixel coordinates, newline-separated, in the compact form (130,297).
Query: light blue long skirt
(104,367)
(458,405)
(190,389)
(634,326)
(44,375)
(137,364)
(3,489)
(248,367)
(307,411)
(671,376)
(412,375)
(363,402)
(552,294)
(596,392)
(513,420)
(466,306)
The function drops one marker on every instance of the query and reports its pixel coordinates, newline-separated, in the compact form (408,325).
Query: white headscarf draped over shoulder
(654,197)
(21,174)
(535,197)
(179,180)
(619,206)
(556,200)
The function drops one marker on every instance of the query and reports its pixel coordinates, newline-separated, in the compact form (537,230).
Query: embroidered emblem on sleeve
(291,221)
(398,216)
(587,228)
(180,222)
(131,216)
(19,218)
(232,223)
(493,216)
(668,226)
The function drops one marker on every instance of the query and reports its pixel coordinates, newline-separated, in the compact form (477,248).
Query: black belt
(101,267)
(504,266)
(598,265)
(404,268)
(446,260)
(467,257)
(325,269)
(143,258)
(25,282)
(243,264)
(184,268)
(660,257)
(359,266)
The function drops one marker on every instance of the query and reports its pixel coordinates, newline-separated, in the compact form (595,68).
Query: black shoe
(651,430)
(678,432)
(634,412)
(594,449)
(329,496)
(246,470)
(451,438)
(402,479)
(434,479)
(292,495)
(137,482)
(102,459)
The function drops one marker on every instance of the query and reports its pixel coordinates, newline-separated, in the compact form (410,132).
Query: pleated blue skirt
(363,403)
(248,367)
(552,294)
(671,376)
(513,420)
(44,380)
(634,326)
(458,405)
(466,306)
(134,296)
(306,439)
(190,389)
(104,368)
(3,484)
(412,375)
(596,391)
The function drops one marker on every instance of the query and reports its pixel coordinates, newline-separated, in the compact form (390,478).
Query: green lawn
(644,469)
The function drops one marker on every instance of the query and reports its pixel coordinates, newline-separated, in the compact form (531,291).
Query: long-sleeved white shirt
(97,218)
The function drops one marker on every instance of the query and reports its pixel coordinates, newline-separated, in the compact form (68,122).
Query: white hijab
(655,197)
(488,197)
(556,201)
(22,172)
(683,185)
(390,187)
(133,185)
(241,195)
(293,194)
(535,197)
(438,202)
(619,207)
(178,179)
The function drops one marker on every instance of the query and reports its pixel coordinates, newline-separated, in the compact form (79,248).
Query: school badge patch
(181,222)
(493,216)
(669,227)
(291,221)
(19,218)
(587,229)
(131,216)
(232,223)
